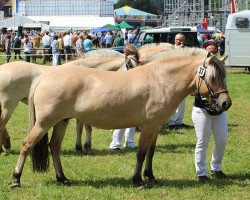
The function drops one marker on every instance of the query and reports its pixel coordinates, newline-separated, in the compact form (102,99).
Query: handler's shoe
(203,179)
(130,145)
(218,174)
(115,149)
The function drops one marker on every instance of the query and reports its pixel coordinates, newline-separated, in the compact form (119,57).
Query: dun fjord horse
(17,77)
(147,98)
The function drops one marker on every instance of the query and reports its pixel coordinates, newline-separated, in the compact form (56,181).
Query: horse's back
(17,77)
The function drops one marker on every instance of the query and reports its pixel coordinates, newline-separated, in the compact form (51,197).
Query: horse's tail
(40,152)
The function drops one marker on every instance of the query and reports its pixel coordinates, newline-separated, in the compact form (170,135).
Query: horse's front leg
(87,146)
(148,172)
(144,142)
(4,136)
(79,128)
(55,147)
(6,140)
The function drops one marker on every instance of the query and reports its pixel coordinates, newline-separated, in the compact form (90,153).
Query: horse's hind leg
(28,143)
(87,146)
(55,147)
(79,127)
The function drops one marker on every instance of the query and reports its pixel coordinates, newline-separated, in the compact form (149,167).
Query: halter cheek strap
(127,64)
(202,72)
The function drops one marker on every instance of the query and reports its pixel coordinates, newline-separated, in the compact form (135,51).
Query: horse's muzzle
(226,105)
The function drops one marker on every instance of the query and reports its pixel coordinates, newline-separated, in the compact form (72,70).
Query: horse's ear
(222,59)
(211,59)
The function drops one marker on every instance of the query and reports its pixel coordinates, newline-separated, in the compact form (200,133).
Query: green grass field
(107,175)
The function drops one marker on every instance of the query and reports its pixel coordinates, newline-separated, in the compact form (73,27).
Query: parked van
(237,39)
(165,34)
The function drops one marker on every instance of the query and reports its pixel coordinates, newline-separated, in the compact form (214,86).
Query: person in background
(79,46)
(118,40)
(46,41)
(101,40)
(129,132)
(7,47)
(125,38)
(60,47)
(87,44)
(55,50)
(211,47)
(108,40)
(27,45)
(149,38)
(132,35)
(67,41)
(222,45)
(176,121)
(209,119)
(17,44)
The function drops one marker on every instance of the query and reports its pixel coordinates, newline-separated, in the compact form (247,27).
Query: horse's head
(131,61)
(211,82)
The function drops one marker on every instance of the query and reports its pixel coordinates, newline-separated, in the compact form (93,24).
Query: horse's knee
(78,147)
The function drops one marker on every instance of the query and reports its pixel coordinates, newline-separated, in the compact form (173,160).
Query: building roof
(73,21)
(15,21)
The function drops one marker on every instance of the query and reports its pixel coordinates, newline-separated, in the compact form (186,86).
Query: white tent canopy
(73,22)
(15,21)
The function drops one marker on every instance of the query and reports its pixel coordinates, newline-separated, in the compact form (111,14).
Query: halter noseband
(127,63)
(202,73)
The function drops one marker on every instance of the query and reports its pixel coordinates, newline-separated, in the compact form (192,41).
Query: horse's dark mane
(103,52)
(218,66)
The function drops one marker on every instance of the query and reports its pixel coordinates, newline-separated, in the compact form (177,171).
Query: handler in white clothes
(209,119)
(129,132)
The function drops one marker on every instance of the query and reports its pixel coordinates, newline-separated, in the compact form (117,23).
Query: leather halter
(128,60)
(202,73)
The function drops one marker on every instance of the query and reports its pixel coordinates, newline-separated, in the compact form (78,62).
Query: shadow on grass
(174,183)
(98,152)
(169,148)
(175,148)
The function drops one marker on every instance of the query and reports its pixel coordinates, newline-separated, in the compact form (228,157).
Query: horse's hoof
(87,152)
(7,147)
(67,182)
(15,185)
(78,148)
(141,185)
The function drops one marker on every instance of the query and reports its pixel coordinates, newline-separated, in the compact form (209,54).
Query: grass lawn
(107,175)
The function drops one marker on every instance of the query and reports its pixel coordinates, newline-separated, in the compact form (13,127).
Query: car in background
(165,34)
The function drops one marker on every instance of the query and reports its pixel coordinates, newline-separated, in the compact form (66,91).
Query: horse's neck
(181,74)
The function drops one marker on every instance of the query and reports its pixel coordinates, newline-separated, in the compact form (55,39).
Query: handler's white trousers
(55,59)
(177,117)
(204,124)
(129,138)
